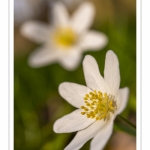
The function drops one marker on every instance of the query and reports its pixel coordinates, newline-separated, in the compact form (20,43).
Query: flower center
(99,105)
(64,37)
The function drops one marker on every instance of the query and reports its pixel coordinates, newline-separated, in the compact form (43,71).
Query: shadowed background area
(37,103)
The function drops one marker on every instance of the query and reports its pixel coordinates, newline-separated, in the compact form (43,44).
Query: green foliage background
(37,103)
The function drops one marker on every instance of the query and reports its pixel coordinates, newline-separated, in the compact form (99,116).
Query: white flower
(65,41)
(97,104)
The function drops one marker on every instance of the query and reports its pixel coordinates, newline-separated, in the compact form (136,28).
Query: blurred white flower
(65,41)
(98,104)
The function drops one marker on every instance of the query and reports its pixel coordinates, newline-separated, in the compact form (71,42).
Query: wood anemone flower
(97,104)
(66,38)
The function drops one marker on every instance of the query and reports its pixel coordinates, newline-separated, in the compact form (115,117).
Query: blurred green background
(37,103)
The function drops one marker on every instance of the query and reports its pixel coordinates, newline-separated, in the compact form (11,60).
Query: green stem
(125,120)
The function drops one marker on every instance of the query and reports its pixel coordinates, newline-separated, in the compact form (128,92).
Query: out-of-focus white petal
(93,40)
(71,59)
(83,17)
(73,93)
(35,31)
(102,137)
(111,72)
(122,99)
(60,15)
(41,57)
(92,75)
(84,135)
(72,122)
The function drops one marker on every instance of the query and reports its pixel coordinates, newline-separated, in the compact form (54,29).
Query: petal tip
(26,27)
(104,38)
(87,60)
(88,57)
(112,56)
(127,91)
(103,41)
(110,52)
(88,5)
(55,128)
(62,88)
(23,29)
(32,62)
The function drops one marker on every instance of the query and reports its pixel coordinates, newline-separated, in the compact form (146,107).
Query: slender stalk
(128,122)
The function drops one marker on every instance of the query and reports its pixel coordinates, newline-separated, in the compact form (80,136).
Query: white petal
(100,140)
(83,17)
(72,122)
(60,14)
(122,99)
(93,40)
(35,31)
(73,93)
(84,135)
(93,78)
(111,72)
(71,60)
(42,57)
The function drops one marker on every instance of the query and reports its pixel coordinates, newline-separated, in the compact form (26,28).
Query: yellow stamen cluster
(98,105)
(64,37)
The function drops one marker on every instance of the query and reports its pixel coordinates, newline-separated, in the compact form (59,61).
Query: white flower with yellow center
(98,104)
(66,39)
